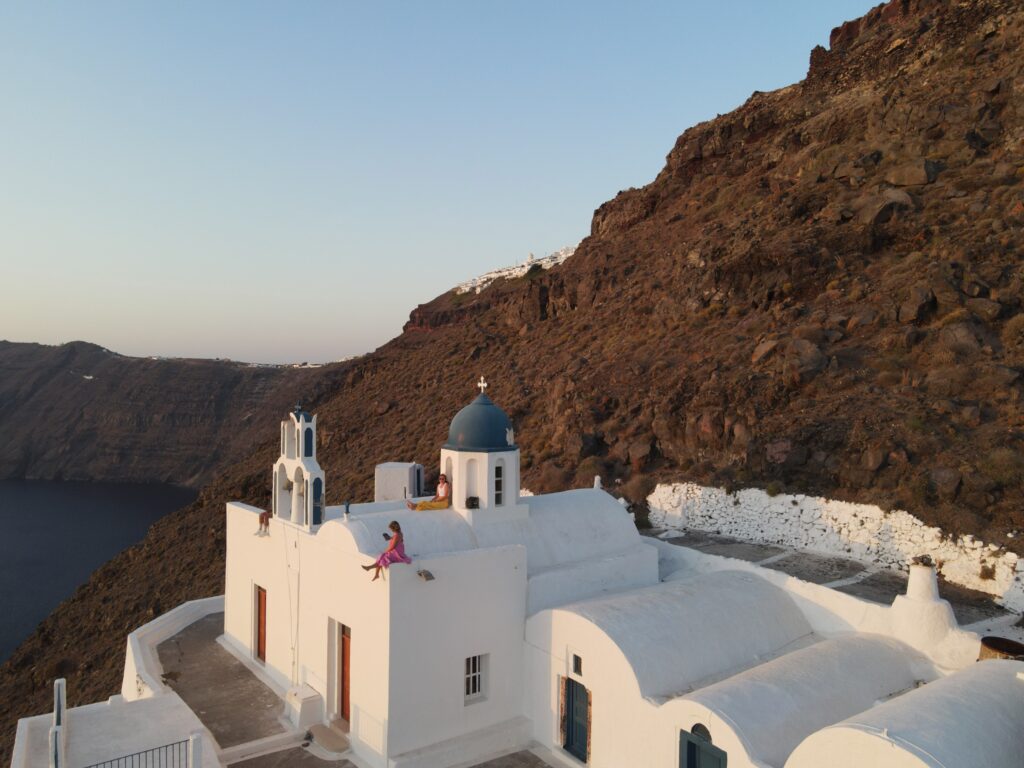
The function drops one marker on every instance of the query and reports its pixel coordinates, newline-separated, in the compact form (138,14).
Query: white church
(547,622)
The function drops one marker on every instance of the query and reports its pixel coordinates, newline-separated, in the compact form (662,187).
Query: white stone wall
(859,531)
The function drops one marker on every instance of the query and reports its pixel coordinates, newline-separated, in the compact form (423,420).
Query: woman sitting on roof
(395,553)
(442,500)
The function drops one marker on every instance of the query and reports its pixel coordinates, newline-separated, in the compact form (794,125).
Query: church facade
(549,619)
(534,622)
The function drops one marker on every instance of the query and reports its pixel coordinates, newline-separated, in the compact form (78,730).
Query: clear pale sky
(285,182)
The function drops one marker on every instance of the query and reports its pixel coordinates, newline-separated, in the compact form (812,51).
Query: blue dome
(481,427)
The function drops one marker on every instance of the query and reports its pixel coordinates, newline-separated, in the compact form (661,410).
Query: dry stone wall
(860,531)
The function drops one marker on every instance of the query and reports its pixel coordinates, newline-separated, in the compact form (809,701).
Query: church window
(577,665)
(696,750)
(499,484)
(318,501)
(475,678)
(307,448)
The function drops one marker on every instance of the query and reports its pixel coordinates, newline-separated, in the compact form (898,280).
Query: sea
(53,535)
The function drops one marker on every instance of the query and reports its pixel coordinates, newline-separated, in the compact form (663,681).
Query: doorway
(576,733)
(344,667)
(261,624)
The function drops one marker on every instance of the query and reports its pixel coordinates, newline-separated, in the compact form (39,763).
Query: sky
(285,182)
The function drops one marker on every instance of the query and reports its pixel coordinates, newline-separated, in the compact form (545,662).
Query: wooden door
(344,671)
(577,717)
(261,623)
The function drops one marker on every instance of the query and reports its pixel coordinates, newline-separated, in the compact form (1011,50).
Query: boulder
(947,482)
(917,304)
(776,452)
(874,457)
(804,360)
(947,296)
(913,174)
(959,338)
(986,309)
(762,350)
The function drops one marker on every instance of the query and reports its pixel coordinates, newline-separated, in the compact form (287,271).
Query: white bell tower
(298,480)
(481,461)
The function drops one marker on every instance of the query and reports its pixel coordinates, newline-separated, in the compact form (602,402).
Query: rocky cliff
(80,412)
(821,291)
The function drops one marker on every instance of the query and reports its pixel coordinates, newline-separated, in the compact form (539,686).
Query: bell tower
(481,461)
(298,480)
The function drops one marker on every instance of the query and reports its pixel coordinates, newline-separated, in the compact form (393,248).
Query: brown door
(344,671)
(261,623)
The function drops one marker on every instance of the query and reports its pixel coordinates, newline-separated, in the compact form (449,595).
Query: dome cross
(482,384)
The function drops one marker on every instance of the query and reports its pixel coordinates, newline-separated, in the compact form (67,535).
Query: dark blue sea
(53,535)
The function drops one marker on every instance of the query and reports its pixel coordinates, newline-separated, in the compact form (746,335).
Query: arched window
(284,495)
(699,729)
(318,501)
(299,489)
(696,750)
(307,448)
(471,480)
(499,483)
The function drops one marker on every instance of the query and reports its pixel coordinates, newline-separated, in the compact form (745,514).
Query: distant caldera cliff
(81,412)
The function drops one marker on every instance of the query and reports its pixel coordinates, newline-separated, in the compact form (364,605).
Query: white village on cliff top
(528,631)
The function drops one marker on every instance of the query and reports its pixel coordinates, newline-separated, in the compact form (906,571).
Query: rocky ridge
(820,292)
(81,412)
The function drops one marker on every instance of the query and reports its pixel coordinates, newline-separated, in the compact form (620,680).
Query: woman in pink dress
(395,553)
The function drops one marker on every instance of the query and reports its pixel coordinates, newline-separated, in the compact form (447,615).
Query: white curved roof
(682,634)
(974,717)
(566,527)
(774,706)
(561,529)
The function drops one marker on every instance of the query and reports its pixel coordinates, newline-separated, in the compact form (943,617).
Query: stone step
(264,746)
(330,739)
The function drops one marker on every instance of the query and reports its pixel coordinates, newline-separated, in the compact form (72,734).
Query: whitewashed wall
(475,605)
(860,531)
(333,587)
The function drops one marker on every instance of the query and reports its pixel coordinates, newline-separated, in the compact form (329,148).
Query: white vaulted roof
(680,635)
(774,706)
(970,718)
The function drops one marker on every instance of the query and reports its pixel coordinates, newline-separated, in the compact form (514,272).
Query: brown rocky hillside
(820,292)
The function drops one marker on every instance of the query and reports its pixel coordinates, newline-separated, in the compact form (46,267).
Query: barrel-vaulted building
(548,619)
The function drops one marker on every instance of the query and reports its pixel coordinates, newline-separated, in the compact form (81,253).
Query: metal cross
(482,384)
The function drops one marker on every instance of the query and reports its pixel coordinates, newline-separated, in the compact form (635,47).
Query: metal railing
(174,755)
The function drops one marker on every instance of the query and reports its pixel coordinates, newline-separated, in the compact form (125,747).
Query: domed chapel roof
(481,427)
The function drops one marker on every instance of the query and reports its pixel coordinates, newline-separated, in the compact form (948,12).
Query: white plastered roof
(680,635)
(561,529)
(973,717)
(774,706)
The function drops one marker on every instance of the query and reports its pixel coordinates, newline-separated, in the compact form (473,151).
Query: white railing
(187,753)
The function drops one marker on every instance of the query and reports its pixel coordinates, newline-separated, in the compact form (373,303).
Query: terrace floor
(302,758)
(974,610)
(231,702)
